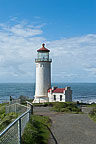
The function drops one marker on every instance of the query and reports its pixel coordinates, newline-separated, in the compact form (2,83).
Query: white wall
(43,78)
(40,99)
(51,97)
(66,96)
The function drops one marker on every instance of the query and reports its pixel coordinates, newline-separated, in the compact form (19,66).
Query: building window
(60,97)
(55,97)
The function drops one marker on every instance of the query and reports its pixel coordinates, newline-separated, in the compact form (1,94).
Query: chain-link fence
(13,101)
(17,108)
(12,134)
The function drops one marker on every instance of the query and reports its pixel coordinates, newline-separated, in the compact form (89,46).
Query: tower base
(40,100)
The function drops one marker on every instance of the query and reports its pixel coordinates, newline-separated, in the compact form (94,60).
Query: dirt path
(70,128)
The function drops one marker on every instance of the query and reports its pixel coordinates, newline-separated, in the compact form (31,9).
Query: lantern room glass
(43,56)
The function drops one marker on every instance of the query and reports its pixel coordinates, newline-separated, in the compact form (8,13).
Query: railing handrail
(21,105)
(29,103)
(10,125)
(11,104)
(41,59)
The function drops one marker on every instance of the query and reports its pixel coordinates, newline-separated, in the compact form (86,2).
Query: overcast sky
(67,27)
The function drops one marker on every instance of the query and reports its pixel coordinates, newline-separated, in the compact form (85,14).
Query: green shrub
(92,114)
(2,116)
(3,104)
(48,104)
(65,107)
(64,110)
(91,105)
(2,110)
(36,131)
(57,106)
(6,119)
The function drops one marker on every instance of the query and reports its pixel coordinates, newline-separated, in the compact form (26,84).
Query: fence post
(29,114)
(31,109)
(15,108)
(19,131)
(31,106)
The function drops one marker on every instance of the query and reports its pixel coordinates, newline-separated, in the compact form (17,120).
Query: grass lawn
(36,131)
(92,114)
(91,105)
(67,107)
(2,108)
(6,119)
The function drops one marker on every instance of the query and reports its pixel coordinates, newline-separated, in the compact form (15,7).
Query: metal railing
(43,59)
(17,108)
(13,101)
(12,134)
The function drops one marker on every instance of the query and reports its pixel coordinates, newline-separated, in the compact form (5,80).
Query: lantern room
(43,54)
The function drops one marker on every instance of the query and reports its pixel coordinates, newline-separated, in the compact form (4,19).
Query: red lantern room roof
(43,49)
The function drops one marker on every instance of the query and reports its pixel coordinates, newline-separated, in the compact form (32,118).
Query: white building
(43,91)
(43,75)
(60,94)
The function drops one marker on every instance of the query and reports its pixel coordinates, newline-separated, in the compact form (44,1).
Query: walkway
(70,128)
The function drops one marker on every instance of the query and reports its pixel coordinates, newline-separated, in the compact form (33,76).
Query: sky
(68,29)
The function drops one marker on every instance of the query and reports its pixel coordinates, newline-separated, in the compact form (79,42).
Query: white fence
(12,134)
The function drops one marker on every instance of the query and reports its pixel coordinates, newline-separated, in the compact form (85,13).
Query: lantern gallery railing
(43,59)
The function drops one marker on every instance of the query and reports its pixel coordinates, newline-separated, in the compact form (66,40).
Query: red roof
(43,49)
(57,90)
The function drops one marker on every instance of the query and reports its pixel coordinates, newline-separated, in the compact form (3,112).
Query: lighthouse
(43,75)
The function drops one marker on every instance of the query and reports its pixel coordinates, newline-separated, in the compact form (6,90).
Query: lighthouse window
(43,56)
(41,65)
(55,97)
(60,97)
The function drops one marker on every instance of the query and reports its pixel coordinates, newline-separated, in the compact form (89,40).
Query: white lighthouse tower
(43,75)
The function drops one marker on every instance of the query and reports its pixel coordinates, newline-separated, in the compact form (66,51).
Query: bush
(23,99)
(2,116)
(92,114)
(36,131)
(48,104)
(2,110)
(6,119)
(64,110)
(66,107)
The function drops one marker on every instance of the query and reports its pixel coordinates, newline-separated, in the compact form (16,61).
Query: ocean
(85,92)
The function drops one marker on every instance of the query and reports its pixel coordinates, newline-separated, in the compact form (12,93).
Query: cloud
(21,30)
(74,56)
(18,44)
(74,59)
